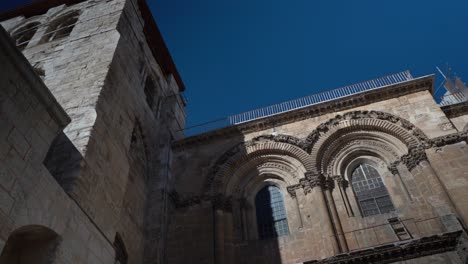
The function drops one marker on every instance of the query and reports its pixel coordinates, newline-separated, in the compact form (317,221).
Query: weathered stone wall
(460,122)
(98,74)
(317,230)
(30,196)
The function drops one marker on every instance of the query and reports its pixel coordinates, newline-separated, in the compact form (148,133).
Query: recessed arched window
(371,193)
(61,27)
(271,214)
(23,35)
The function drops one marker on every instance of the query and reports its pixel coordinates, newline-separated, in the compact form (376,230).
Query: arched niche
(247,168)
(232,160)
(391,137)
(32,244)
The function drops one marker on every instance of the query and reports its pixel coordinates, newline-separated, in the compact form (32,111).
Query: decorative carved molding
(393,167)
(415,155)
(279,166)
(340,181)
(401,251)
(450,139)
(262,145)
(292,189)
(280,138)
(328,183)
(359,142)
(323,128)
(305,184)
(321,109)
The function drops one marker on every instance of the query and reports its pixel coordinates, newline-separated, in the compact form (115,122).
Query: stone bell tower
(107,66)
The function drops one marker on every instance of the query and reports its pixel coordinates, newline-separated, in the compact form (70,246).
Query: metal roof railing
(301,102)
(451,99)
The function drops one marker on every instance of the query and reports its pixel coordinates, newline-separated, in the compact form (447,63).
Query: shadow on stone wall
(63,161)
(213,210)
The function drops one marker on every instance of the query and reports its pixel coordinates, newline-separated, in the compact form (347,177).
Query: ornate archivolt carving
(279,138)
(335,153)
(279,166)
(310,181)
(415,155)
(450,139)
(239,154)
(342,121)
(318,143)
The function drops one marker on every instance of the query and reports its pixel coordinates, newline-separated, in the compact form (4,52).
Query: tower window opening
(271,214)
(372,195)
(152,95)
(24,35)
(61,27)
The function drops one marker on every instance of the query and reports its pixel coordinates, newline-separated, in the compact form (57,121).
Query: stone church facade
(95,166)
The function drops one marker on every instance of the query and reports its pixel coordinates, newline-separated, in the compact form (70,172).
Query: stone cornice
(455,110)
(352,101)
(403,250)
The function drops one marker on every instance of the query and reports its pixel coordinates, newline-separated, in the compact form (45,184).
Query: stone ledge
(455,110)
(349,102)
(400,251)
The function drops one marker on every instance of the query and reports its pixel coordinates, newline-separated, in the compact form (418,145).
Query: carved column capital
(305,184)
(292,189)
(315,179)
(393,167)
(415,155)
(328,183)
(340,181)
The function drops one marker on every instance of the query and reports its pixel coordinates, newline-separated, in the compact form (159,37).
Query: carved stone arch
(243,152)
(378,144)
(281,167)
(391,130)
(367,120)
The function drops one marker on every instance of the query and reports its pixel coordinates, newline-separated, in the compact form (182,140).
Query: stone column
(221,207)
(329,186)
(393,168)
(219,235)
(428,181)
(314,184)
(342,185)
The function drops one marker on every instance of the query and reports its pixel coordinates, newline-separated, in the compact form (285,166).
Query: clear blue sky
(239,55)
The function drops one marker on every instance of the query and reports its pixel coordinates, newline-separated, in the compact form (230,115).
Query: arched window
(61,27)
(271,215)
(371,193)
(23,35)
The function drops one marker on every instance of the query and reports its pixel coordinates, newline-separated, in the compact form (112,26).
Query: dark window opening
(271,214)
(61,27)
(121,256)
(23,35)
(371,193)
(151,94)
